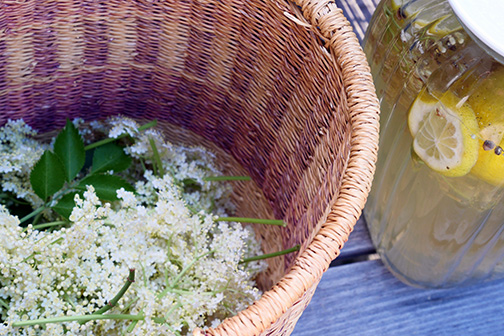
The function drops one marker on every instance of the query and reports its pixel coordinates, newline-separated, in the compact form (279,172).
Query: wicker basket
(280,90)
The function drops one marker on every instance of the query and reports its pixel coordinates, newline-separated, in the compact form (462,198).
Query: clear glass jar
(436,211)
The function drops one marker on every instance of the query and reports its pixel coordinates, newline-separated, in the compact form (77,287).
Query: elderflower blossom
(187,266)
(121,125)
(18,154)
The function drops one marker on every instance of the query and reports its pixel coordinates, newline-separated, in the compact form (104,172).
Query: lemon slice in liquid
(487,101)
(487,98)
(421,12)
(411,7)
(490,164)
(444,133)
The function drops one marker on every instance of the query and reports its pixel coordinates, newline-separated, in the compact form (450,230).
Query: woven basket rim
(328,21)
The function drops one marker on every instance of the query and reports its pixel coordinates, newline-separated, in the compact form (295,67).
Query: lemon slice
(487,103)
(396,4)
(487,98)
(444,133)
(411,7)
(490,165)
(423,105)
(421,13)
(445,25)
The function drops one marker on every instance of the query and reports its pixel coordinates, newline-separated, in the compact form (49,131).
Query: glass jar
(436,211)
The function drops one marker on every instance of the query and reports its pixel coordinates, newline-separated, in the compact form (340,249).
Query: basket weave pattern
(282,88)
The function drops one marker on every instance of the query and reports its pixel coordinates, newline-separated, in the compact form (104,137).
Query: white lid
(484,21)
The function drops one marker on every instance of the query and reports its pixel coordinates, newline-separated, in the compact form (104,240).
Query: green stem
(108,140)
(186,292)
(27,258)
(180,275)
(43,237)
(14,199)
(227,178)
(69,300)
(172,309)
(168,250)
(48,204)
(151,124)
(157,158)
(133,323)
(35,253)
(252,220)
(79,318)
(56,241)
(230,311)
(32,214)
(144,275)
(37,218)
(131,303)
(4,304)
(144,168)
(132,326)
(46,225)
(191,264)
(119,295)
(158,319)
(271,255)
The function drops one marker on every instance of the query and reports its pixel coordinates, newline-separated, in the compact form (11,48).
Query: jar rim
(483,20)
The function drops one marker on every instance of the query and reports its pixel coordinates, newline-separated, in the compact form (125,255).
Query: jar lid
(484,21)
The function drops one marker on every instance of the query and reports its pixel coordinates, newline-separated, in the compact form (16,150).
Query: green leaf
(106,186)
(110,157)
(66,204)
(69,147)
(48,175)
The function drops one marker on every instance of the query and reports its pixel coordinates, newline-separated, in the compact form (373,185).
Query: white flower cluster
(18,154)
(188,271)
(188,166)
(121,125)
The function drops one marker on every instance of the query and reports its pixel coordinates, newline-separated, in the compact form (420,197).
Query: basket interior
(242,77)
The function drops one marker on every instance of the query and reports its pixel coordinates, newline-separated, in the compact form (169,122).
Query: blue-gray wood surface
(364,298)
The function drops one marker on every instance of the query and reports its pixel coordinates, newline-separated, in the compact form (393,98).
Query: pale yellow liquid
(430,230)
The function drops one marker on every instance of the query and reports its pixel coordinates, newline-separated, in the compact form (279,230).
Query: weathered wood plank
(365,299)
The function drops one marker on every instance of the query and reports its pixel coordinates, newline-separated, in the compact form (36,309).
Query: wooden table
(364,298)
(359,296)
